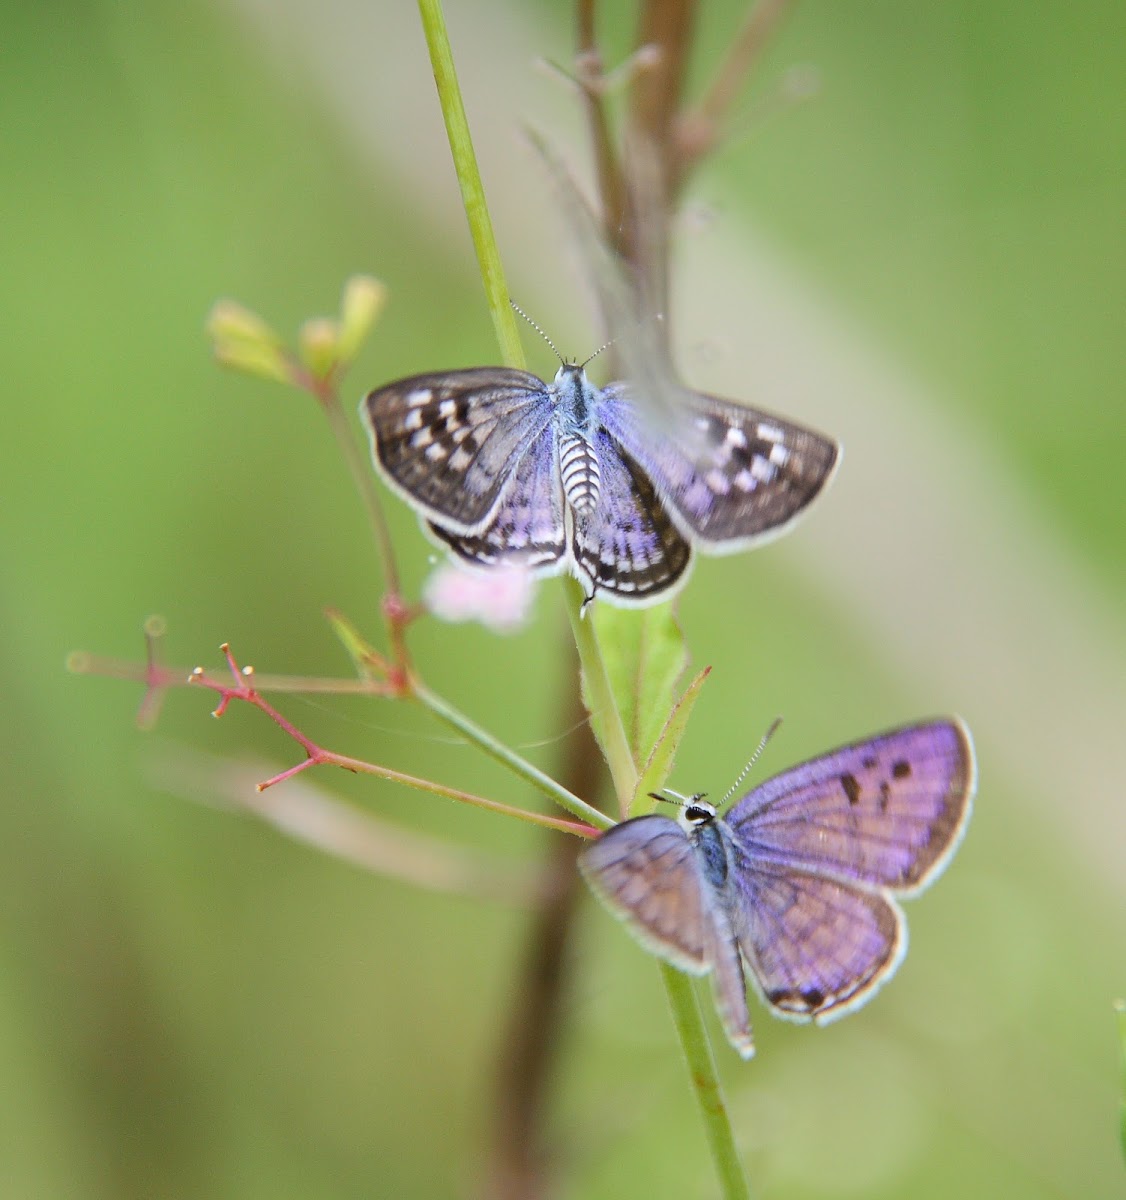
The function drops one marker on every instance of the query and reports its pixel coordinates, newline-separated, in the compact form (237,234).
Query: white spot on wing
(761,469)
(770,433)
(718,482)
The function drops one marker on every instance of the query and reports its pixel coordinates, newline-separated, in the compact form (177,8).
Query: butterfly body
(796,886)
(567,476)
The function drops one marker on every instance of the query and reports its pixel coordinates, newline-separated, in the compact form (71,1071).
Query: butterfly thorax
(707,834)
(576,401)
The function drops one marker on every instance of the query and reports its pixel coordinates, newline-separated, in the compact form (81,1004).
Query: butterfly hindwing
(526,528)
(627,548)
(816,948)
(646,872)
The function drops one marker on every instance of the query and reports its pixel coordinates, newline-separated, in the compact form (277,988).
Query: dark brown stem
(520,1158)
(652,159)
(611,185)
(699,130)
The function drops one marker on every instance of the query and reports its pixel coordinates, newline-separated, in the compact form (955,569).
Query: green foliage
(645,656)
(658,766)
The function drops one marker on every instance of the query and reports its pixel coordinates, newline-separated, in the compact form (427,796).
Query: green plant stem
(686,1011)
(364,479)
(469,180)
(509,758)
(705,1082)
(600,697)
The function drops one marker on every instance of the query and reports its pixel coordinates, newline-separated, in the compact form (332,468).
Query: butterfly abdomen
(578,468)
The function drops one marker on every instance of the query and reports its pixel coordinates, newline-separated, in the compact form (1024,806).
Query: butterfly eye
(696,813)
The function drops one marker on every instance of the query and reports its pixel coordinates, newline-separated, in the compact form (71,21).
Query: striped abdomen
(578,465)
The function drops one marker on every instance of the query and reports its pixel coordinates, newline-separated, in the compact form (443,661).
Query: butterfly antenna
(753,759)
(676,798)
(539,331)
(597,352)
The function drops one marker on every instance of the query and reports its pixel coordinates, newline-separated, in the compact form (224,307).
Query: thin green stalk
(600,697)
(364,479)
(509,758)
(705,1082)
(469,179)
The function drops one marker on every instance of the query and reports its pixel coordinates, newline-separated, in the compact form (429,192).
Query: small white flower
(499,598)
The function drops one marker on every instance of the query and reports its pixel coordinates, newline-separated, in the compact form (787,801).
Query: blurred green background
(934,247)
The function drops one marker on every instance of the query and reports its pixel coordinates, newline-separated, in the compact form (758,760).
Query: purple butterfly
(565,476)
(798,881)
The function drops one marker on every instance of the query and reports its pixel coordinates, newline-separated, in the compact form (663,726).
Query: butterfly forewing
(450,442)
(887,811)
(733,475)
(646,872)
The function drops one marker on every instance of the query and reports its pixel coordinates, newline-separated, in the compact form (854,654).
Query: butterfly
(797,883)
(567,476)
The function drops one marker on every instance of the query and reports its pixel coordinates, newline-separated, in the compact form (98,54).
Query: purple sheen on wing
(817,948)
(526,528)
(887,811)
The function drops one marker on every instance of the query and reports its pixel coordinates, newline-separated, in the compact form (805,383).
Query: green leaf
(659,766)
(645,655)
(362,653)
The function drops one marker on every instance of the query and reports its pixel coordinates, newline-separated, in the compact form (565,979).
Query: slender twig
(364,479)
(469,180)
(498,750)
(705,1082)
(699,129)
(315,755)
(611,185)
(158,678)
(310,815)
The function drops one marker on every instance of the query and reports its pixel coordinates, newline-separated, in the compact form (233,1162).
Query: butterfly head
(695,811)
(570,375)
